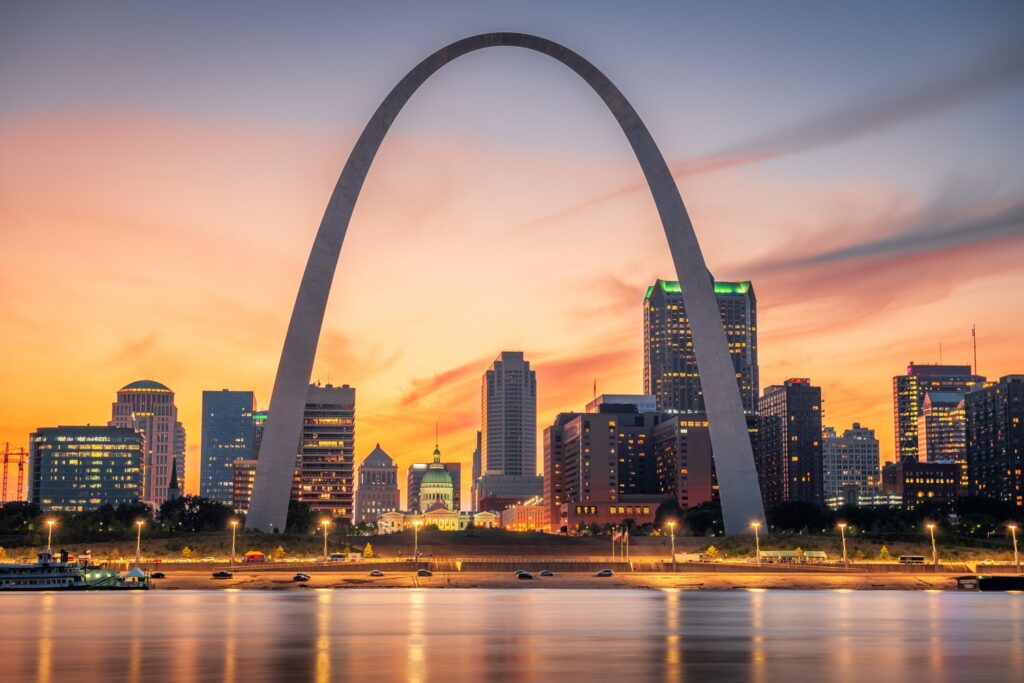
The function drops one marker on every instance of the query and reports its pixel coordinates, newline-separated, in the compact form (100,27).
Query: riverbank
(276,580)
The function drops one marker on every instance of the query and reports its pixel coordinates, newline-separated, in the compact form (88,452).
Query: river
(424,635)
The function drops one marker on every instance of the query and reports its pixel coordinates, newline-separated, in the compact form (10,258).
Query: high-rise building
(259,420)
(243,476)
(324,469)
(454,470)
(941,431)
(73,469)
(995,440)
(670,366)
(148,407)
(377,491)
(596,463)
(227,436)
(477,471)
(685,466)
(789,455)
(436,487)
(850,461)
(509,416)
(909,391)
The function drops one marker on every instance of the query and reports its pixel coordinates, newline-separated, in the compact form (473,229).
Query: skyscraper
(670,366)
(850,461)
(377,491)
(324,470)
(509,416)
(477,471)
(789,444)
(73,469)
(909,391)
(995,440)
(227,436)
(148,407)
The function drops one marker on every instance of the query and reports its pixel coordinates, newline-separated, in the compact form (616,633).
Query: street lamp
(416,543)
(842,532)
(234,528)
(138,541)
(672,532)
(1016,556)
(935,552)
(325,523)
(757,541)
(49,533)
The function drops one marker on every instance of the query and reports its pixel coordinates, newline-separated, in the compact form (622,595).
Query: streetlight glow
(1016,555)
(234,528)
(49,533)
(138,541)
(757,541)
(842,532)
(672,532)
(325,523)
(935,551)
(416,543)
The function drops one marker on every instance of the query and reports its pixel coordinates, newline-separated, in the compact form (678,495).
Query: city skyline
(175,313)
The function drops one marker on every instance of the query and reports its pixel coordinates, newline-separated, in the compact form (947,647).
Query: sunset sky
(163,171)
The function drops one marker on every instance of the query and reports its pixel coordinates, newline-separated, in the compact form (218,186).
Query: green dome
(436,476)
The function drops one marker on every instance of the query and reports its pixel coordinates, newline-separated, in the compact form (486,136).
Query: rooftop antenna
(974,342)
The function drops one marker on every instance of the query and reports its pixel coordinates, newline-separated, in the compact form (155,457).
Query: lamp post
(672,533)
(757,541)
(842,532)
(49,533)
(416,544)
(138,541)
(935,552)
(325,523)
(234,528)
(1016,556)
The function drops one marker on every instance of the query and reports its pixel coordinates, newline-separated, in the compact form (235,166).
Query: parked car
(526,576)
(157,575)
(222,574)
(424,572)
(547,572)
(521,571)
(300,577)
(208,559)
(376,572)
(605,572)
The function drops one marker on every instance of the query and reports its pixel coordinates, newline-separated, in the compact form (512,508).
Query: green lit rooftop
(672,287)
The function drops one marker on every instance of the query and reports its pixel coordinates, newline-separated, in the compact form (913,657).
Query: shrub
(278,553)
(884,555)
(368,550)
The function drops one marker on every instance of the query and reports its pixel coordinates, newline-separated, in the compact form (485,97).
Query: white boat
(55,573)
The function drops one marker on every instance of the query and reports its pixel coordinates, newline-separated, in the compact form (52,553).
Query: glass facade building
(324,476)
(227,436)
(789,454)
(73,469)
(908,394)
(670,365)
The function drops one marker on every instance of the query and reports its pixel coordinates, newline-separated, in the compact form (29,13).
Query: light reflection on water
(510,635)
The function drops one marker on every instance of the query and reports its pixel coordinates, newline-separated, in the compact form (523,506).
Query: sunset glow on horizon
(160,232)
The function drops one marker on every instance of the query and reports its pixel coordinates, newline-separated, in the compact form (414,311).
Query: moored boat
(55,572)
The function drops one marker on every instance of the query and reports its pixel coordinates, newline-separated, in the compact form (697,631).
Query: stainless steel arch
(734,462)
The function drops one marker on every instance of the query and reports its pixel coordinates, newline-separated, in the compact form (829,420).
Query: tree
(884,555)
(368,551)
(194,513)
(704,519)
(300,518)
(3,553)
(187,552)
(668,511)
(278,553)
(712,553)
(800,552)
(19,517)
(799,516)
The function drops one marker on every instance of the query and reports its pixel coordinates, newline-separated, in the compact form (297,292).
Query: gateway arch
(734,461)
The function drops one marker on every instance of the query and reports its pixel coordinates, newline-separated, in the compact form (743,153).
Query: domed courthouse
(436,488)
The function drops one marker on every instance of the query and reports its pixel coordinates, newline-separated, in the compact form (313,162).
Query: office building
(148,407)
(789,456)
(227,436)
(508,404)
(670,366)
(995,440)
(477,472)
(74,469)
(324,469)
(909,391)
(922,482)
(850,462)
(377,491)
(941,431)
(243,475)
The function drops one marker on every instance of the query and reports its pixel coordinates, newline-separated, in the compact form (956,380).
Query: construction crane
(10,456)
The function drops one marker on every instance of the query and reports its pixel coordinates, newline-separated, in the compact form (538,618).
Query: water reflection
(510,635)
